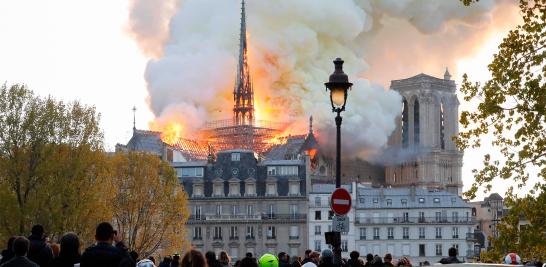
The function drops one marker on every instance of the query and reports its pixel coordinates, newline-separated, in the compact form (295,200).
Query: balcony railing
(413,220)
(293,237)
(275,216)
(471,237)
(233,238)
(197,238)
(250,237)
(217,238)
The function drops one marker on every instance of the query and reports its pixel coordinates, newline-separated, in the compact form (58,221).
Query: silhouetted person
(388,260)
(353,259)
(452,252)
(39,252)
(307,257)
(103,253)
(166,262)
(193,258)
(70,251)
(21,246)
(211,259)
(369,260)
(7,254)
(176,260)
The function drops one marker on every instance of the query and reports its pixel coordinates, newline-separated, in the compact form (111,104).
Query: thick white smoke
(292,45)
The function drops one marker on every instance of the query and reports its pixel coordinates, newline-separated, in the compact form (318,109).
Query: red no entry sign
(340,201)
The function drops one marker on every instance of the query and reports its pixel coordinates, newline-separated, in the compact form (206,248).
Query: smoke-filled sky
(175,60)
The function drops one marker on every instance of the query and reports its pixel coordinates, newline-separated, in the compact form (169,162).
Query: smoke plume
(291,48)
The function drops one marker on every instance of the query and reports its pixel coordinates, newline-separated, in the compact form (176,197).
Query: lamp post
(338,84)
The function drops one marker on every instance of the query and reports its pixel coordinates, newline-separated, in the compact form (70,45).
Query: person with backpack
(39,252)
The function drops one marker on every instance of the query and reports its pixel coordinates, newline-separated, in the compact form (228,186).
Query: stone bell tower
(427,155)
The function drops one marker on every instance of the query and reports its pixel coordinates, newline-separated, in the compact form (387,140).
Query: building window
(317,201)
(271,187)
(197,189)
(389,202)
(317,245)
(436,200)
(250,232)
(282,170)
(455,232)
(421,232)
(271,211)
(362,233)
(233,235)
(234,209)
(456,246)
(404,202)
(218,188)
(421,216)
(271,234)
(317,215)
(218,210)
(416,122)
(197,213)
(235,156)
(330,214)
(421,200)
(234,187)
(438,249)
(217,233)
(344,246)
(442,125)
(250,187)
(422,250)
(438,216)
(361,200)
(293,210)
(390,233)
(197,233)
(405,232)
(455,216)
(375,200)
(294,187)
(317,230)
(453,199)
(438,232)
(191,172)
(405,124)
(405,216)
(294,232)
(376,233)
(249,210)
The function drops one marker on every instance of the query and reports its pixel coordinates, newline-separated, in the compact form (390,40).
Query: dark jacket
(283,264)
(105,255)
(449,260)
(354,263)
(18,261)
(64,261)
(6,255)
(39,252)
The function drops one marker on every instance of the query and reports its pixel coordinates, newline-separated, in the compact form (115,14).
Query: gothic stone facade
(428,121)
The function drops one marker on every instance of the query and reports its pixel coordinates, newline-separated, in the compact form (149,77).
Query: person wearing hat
(268,260)
(327,258)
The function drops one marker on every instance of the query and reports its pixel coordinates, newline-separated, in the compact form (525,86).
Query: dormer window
(218,188)
(404,202)
(250,187)
(421,200)
(294,187)
(198,188)
(271,187)
(234,187)
(436,200)
(235,156)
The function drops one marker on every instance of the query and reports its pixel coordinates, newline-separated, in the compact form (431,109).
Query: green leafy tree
(150,206)
(512,104)
(52,167)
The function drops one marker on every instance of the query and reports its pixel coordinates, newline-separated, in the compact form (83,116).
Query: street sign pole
(340,204)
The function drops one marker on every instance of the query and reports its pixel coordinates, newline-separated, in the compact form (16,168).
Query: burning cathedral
(249,194)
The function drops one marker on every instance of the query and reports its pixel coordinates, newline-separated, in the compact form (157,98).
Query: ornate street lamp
(338,85)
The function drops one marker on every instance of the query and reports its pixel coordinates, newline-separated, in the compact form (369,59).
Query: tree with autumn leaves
(54,171)
(512,108)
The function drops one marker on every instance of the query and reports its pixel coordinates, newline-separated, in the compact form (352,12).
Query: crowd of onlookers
(110,251)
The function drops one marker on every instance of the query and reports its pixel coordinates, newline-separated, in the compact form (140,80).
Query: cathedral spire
(243,93)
